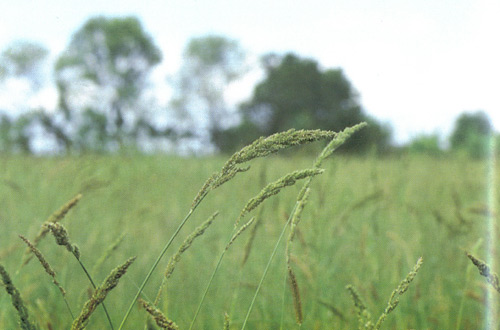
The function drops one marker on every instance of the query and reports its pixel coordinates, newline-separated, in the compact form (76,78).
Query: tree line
(104,103)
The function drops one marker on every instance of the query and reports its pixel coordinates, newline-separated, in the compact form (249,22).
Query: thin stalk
(275,250)
(95,287)
(283,300)
(467,281)
(207,288)
(69,308)
(234,235)
(155,264)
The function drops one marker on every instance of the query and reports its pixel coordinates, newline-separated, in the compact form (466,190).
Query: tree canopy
(101,76)
(23,59)
(297,93)
(471,134)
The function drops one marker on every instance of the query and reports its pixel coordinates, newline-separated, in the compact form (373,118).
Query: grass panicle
(251,238)
(160,319)
(337,140)
(296,216)
(205,189)
(364,317)
(200,230)
(275,187)
(62,238)
(17,302)
(297,303)
(48,269)
(292,279)
(100,294)
(61,213)
(261,147)
(239,232)
(226,321)
(53,218)
(398,292)
(485,271)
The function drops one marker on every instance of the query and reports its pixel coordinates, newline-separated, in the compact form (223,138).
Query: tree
(471,134)
(23,59)
(426,144)
(211,63)
(101,78)
(297,93)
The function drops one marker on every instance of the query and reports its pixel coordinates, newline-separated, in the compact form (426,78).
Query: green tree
(211,63)
(24,59)
(426,144)
(471,134)
(297,93)
(101,78)
(21,60)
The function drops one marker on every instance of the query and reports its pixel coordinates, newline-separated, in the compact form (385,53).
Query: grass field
(367,222)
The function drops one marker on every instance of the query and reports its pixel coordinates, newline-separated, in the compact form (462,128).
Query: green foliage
(23,59)
(15,133)
(471,134)
(113,57)
(345,236)
(426,144)
(297,93)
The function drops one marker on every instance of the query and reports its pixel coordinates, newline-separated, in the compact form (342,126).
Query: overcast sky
(416,64)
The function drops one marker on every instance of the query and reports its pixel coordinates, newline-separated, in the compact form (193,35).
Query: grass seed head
(160,319)
(17,302)
(275,187)
(46,266)
(62,238)
(100,294)
(485,271)
(53,218)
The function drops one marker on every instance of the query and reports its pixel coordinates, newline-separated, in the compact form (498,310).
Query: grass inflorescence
(294,266)
(17,302)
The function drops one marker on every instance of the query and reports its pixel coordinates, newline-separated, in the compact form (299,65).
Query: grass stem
(155,264)
(275,250)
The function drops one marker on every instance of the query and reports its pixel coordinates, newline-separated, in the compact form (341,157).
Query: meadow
(366,223)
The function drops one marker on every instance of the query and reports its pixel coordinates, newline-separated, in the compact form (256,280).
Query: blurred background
(202,77)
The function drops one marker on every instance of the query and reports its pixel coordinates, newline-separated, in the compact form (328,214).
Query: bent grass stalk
(200,230)
(259,148)
(49,270)
(61,236)
(269,190)
(202,300)
(271,257)
(337,140)
(364,316)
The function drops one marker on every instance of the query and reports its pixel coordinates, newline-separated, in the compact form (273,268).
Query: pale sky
(416,64)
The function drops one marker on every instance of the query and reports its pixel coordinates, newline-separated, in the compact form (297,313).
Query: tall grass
(365,223)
